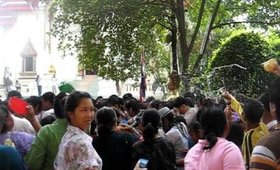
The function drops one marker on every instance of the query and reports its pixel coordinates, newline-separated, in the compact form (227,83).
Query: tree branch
(206,36)
(199,19)
(245,22)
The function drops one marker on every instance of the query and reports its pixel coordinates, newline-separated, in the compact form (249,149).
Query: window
(29,64)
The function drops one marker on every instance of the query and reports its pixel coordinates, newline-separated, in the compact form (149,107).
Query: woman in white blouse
(75,150)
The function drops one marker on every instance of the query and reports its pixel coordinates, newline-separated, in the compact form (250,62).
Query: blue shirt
(10,159)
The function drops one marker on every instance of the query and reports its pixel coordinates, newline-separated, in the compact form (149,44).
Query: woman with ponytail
(113,147)
(213,151)
(159,152)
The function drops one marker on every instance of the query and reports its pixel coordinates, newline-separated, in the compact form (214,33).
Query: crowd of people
(191,132)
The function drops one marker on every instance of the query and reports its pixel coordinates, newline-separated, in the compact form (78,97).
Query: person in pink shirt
(213,151)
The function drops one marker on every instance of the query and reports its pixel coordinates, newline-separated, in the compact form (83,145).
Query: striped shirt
(266,154)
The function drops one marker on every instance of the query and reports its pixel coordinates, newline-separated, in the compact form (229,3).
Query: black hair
(93,126)
(222,103)
(35,101)
(59,105)
(169,104)
(150,122)
(236,134)
(189,101)
(200,98)
(253,110)
(47,120)
(100,103)
(150,99)
(241,97)
(99,98)
(73,100)
(195,127)
(132,103)
(213,122)
(127,96)
(114,100)
(179,119)
(106,120)
(207,102)
(264,99)
(48,96)
(13,93)
(179,101)
(168,122)
(275,96)
(155,104)
(4,112)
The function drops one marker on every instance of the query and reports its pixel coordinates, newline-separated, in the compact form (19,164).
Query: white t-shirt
(190,115)
(22,125)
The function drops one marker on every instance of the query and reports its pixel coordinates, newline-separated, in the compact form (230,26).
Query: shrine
(17,54)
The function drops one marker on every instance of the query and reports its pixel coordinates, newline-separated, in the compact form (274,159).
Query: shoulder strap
(181,129)
(249,147)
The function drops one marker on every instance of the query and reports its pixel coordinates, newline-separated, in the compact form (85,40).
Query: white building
(26,50)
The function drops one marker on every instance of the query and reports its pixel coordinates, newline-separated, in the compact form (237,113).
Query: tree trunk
(180,14)
(206,35)
(118,88)
(174,44)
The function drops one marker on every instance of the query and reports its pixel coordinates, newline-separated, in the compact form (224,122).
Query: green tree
(115,32)
(237,65)
(111,36)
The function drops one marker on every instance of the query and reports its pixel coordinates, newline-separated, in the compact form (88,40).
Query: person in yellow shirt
(255,130)
(250,113)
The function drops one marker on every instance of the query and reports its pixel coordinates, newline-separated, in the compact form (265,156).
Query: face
(182,109)
(130,112)
(166,125)
(196,135)
(272,109)
(45,105)
(9,122)
(83,114)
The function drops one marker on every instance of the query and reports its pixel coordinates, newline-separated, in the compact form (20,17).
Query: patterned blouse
(76,151)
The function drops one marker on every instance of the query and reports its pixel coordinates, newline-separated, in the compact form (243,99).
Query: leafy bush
(247,50)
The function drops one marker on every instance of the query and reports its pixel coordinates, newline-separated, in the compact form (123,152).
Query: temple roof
(9,9)
(29,50)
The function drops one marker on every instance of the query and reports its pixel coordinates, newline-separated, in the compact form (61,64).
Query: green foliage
(274,42)
(248,50)
(110,36)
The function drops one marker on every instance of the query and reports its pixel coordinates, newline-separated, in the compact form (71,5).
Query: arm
(234,104)
(30,116)
(180,162)
(137,167)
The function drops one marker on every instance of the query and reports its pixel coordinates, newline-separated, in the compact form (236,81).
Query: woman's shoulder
(21,135)
(227,146)
(126,136)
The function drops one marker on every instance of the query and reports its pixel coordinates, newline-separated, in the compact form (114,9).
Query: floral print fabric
(76,151)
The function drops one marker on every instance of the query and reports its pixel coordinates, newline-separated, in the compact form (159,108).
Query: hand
(30,115)
(137,167)
(124,127)
(228,113)
(227,95)
(277,71)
